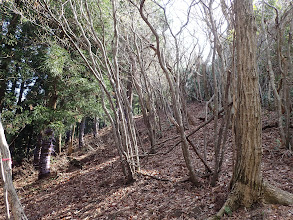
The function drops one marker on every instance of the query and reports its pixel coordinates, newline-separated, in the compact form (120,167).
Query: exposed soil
(90,184)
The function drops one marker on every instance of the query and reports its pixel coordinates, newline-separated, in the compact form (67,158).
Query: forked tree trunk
(222,134)
(6,176)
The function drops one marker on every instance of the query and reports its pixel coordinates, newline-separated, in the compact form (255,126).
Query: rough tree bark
(247,178)
(247,183)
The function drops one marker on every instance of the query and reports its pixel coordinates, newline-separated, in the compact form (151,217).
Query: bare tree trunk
(205,82)
(46,151)
(205,76)
(124,164)
(81,133)
(59,143)
(219,85)
(129,89)
(288,81)
(272,83)
(216,109)
(183,98)
(199,89)
(37,151)
(147,111)
(71,139)
(247,178)
(216,93)
(6,174)
(205,128)
(222,134)
(2,91)
(18,111)
(96,126)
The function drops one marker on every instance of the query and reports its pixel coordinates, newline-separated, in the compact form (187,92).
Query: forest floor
(92,186)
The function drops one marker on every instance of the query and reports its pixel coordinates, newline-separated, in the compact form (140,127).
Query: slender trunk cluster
(175,95)
(145,98)
(284,68)
(106,70)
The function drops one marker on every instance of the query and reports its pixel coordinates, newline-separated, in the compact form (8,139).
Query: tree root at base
(270,195)
(230,202)
(275,195)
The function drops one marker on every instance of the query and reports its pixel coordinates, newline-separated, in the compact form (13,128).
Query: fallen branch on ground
(154,177)
(199,156)
(203,124)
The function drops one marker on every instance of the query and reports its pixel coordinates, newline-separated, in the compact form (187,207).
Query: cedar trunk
(247,184)
(247,177)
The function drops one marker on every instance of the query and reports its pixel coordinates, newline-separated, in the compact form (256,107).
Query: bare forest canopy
(70,68)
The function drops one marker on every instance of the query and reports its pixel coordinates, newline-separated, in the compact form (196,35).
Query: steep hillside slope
(90,184)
